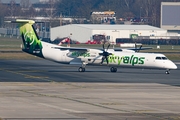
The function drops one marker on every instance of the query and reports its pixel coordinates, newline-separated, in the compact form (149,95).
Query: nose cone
(172,65)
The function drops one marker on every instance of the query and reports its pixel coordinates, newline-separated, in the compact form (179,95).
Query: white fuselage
(92,57)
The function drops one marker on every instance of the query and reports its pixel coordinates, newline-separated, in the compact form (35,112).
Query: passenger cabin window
(161,58)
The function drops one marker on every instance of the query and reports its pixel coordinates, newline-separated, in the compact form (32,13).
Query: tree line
(149,9)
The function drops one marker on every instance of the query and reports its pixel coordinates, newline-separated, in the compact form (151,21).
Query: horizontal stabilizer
(23,21)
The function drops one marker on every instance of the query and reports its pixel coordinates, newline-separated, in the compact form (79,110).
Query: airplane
(87,56)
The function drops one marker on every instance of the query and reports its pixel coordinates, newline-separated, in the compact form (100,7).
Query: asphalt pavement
(41,89)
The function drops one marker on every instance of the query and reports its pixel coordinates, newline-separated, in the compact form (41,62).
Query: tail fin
(31,41)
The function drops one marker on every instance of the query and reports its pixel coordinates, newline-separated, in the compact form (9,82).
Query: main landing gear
(113,69)
(167,71)
(82,69)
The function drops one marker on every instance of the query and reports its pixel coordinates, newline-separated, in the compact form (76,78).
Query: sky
(18,1)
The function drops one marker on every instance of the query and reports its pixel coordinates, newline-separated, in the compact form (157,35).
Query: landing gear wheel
(113,69)
(167,72)
(81,69)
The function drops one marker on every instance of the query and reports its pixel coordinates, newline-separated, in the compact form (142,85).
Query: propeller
(105,54)
(137,49)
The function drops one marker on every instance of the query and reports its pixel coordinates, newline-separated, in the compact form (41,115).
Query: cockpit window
(161,58)
(158,58)
(164,58)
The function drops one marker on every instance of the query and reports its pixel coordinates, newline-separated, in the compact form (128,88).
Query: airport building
(169,33)
(84,32)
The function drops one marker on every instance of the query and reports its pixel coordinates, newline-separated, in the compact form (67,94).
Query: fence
(15,32)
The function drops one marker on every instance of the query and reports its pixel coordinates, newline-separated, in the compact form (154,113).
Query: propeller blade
(103,47)
(102,59)
(108,47)
(101,54)
(107,60)
(135,47)
(140,47)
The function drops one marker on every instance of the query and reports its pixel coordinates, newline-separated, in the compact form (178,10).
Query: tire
(113,69)
(81,69)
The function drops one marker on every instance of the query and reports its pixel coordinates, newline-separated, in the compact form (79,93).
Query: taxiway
(40,89)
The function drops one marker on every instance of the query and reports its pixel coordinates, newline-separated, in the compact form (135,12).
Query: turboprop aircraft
(86,56)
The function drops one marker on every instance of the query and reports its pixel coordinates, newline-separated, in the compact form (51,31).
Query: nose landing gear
(82,69)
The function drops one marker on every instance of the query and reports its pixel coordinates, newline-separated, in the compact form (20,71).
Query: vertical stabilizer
(31,41)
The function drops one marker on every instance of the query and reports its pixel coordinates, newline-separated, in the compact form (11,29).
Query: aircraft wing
(132,49)
(72,49)
(137,49)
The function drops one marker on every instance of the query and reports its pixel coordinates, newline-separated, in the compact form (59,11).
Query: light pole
(140,12)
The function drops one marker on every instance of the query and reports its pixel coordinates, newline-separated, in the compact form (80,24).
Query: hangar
(84,32)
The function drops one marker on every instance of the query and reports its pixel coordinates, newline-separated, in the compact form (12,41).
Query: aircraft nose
(173,66)
(170,65)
